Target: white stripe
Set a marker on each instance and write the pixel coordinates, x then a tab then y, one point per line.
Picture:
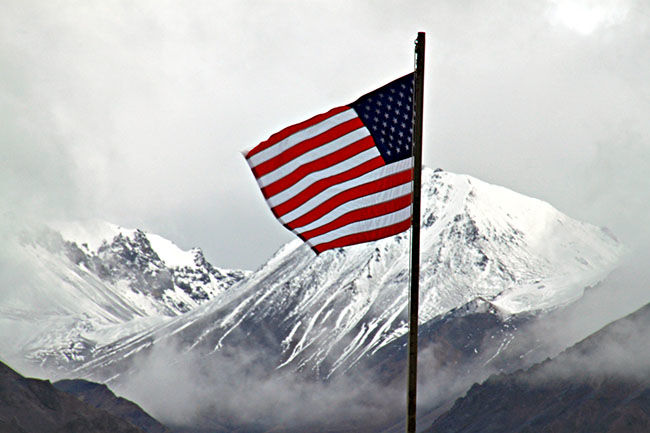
359	203
300	136
305	182
333	190
313	155
362	226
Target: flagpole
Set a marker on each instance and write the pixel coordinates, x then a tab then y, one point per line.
418	94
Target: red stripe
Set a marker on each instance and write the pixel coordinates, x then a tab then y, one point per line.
307	145
322	184
320	164
361	214
371	187
279	136
359	238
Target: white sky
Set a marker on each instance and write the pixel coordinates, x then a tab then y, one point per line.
136	112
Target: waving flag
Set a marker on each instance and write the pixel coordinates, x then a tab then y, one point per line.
343	177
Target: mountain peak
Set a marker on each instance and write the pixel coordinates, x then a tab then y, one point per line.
480	244
96	281
90	233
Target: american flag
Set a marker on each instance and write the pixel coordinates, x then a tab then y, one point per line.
343	177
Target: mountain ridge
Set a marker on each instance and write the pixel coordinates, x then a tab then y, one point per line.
326	313
101	397
601	383
74	298
33	405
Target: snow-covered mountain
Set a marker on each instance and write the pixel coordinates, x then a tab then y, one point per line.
161	277
86	284
481	244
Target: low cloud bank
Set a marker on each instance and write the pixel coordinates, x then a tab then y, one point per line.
221	391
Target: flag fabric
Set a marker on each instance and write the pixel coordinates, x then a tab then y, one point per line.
343	177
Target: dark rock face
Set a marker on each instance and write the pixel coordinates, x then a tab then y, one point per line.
601	384
468	335
101	397
32	405
135	261
132	259
503	405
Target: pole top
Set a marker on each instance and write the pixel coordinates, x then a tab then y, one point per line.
419	50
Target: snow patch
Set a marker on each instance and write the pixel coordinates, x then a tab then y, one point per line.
91	232
170	253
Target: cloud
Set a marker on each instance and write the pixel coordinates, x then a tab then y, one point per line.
236	388
187	389
620	351
136	113
586	16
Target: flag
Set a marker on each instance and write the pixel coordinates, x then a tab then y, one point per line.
343	177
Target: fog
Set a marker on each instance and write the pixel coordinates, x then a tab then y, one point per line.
621	352
190	390
237	390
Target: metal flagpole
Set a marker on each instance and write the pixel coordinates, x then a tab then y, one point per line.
418	99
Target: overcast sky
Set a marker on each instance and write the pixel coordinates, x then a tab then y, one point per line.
136	112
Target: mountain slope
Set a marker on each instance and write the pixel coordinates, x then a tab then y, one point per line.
94	286
155	274
601	384
325	314
101	397
32	405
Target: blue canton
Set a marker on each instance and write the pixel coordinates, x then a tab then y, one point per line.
388	114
